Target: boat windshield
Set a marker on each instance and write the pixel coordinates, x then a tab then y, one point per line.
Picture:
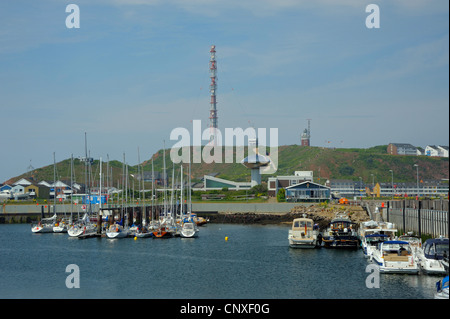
189	226
436	249
302	224
396	248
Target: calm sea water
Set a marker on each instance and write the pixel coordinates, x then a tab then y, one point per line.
255	262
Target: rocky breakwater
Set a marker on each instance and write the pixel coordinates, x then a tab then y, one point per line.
321	214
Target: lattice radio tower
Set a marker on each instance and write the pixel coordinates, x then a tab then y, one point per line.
212	90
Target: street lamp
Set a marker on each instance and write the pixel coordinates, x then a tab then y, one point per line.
392	183
360	187
373	186
417	168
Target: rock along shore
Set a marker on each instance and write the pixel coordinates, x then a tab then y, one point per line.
321	215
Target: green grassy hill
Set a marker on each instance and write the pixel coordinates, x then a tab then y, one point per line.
325	162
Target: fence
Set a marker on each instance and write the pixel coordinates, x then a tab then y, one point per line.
422	217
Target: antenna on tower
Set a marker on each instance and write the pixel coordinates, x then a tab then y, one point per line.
30	168
212	90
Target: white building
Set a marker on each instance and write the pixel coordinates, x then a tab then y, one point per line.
439	151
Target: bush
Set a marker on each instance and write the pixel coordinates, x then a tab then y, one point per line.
281	196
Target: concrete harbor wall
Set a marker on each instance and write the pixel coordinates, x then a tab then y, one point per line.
29	213
272	208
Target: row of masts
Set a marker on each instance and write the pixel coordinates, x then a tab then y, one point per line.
172	206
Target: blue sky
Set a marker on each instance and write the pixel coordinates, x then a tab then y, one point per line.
137	69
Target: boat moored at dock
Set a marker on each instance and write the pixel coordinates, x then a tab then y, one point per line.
395	256
303	234
372	233
116	231
189	228
442	289
340	233
431	255
45	225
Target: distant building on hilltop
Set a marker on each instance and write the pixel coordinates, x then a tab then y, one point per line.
433	150
306	135
402	149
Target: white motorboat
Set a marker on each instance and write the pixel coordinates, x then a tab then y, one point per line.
189	228
414	241
303	234
371	242
431	255
116	231
395	256
371	233
442	289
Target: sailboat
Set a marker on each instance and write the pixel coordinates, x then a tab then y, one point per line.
116	230
163	226
45	225
189	228
84	228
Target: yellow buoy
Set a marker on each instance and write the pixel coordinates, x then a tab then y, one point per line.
226	238
135	237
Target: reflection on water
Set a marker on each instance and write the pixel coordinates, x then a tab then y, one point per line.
255	262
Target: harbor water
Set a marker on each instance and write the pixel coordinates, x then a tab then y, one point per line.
255	262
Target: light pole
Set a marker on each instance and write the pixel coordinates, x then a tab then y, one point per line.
417	168
360	187
392	183
373	186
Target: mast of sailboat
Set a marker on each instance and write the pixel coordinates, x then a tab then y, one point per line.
99	215
172	206
54	184
126	195
165	179
71	190
153	186
181	199
123	190
190	183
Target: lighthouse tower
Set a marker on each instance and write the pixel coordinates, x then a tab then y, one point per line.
306	136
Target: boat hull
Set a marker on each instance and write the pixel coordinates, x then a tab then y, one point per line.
144	235
339	243
433	267
302	243
162	234
42	229
188	234
113	235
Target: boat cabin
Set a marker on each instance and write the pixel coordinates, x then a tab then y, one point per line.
302	224
375	239
395	250
436	248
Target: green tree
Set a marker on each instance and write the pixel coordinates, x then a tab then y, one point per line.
281	196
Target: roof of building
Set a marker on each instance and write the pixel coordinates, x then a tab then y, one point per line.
306	184
404	145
